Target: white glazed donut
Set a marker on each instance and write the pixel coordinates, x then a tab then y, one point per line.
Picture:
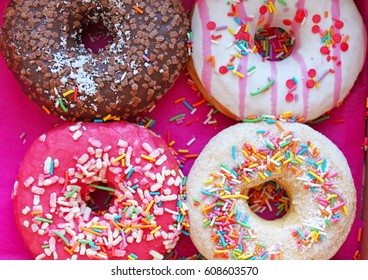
309	167
329	48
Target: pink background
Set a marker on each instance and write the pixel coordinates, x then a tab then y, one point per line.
19	116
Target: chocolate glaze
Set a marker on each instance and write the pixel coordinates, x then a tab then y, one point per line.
41	42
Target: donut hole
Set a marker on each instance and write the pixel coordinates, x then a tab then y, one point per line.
274	43
95	36
98	199
269	201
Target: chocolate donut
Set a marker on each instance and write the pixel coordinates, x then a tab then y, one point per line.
42	45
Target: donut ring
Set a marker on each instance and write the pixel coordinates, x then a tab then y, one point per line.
127	164
315	77
309	167
42	45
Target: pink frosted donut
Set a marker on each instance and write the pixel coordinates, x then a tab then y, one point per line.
92	191
307	66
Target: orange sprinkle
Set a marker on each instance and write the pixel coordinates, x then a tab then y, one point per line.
35	213
46	110
91	231
359	234
326	14
346	38
198	103
179	100
68	250
279	126
191	156
138	9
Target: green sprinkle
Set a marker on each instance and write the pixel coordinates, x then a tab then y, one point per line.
254	93
62	105
43	220
102	188
62	237
207	223
45	246
320	119
72	192
254	120
242	224
251	69
328	222
282	2
280	211
177	117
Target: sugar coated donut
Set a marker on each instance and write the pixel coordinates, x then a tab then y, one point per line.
42	42
93	191
316	183
270	57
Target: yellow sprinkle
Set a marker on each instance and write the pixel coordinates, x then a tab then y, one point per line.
253	165
316	176
238	74
261	175
127	230
151	159
107	117
221	251
238	55
278	170
235	196
276	155
298	160
261	156
345	210
316	83
131	258
155	230
231	30
119	158
183	151
65	94
246	178
245	257
208	181
99	227
280	158
149	206
331	196
287	161
246	28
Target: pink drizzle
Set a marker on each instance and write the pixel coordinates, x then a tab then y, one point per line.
299	58
335	9
244	65
206	45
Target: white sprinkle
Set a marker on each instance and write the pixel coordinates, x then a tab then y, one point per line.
156	255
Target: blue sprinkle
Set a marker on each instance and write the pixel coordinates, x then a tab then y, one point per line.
98	120
52	164
233	152
188	105
130	173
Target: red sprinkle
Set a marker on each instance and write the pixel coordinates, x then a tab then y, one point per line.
289	97
290	83
223	69
263	10
315	28
344	46
287	22
300	15
211	25
339	24
337	37
325	50
316	18
310	84
312	73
